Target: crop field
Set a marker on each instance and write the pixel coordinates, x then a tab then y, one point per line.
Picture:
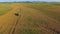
30	18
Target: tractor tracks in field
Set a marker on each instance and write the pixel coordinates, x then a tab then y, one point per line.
17	9
15	25
17	21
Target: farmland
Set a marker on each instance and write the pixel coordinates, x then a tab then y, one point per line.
34	18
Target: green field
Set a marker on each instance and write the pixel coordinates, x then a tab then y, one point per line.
35	18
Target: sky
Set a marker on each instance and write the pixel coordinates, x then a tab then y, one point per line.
29	0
